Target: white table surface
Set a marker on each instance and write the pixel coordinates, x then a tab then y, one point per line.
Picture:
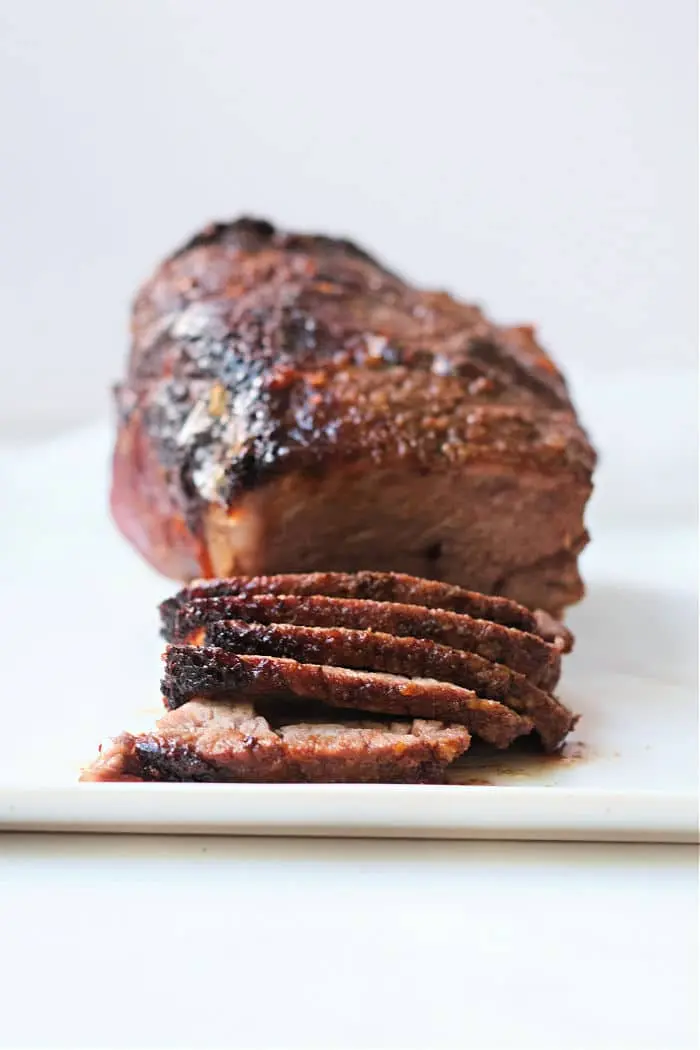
257	943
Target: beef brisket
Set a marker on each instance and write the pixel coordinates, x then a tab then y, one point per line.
270	686
197	671
291	405
408	657
376	586
526	653
206	741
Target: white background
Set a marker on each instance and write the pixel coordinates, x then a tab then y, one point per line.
299	945
537	155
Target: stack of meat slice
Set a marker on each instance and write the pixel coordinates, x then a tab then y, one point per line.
342	677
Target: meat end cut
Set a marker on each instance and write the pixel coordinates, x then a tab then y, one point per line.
290	405
207	741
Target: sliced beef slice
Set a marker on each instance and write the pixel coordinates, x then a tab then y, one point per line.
218	741
521	651
376	586
193	671
408	657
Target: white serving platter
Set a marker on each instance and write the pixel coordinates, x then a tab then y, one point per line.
81	662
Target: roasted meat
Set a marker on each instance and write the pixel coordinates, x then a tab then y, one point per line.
264	685
419	660
373	586
194	671
526	653
407	657
207	741
291	405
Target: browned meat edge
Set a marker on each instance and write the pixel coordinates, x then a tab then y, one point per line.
204	741
409	657
525	653
376	586
192	671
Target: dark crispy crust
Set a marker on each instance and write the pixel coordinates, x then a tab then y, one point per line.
528	654
260	356
227	742
376	586
409	657
205	671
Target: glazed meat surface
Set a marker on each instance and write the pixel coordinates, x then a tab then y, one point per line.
291	405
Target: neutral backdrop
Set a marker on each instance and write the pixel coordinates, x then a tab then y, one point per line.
536	155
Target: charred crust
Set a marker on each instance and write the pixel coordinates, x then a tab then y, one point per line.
160	760
191	671
246	233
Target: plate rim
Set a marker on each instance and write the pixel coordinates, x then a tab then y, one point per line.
356	810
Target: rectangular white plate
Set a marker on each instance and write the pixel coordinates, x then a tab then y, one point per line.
81	662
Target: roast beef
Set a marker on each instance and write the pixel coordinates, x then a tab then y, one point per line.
219	741
291	405
206	671
526	653
377	586
408	657
271	686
